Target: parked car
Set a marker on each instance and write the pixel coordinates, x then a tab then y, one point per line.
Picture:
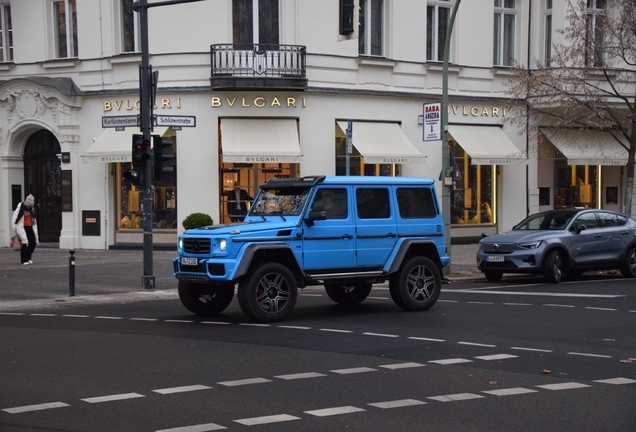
566	241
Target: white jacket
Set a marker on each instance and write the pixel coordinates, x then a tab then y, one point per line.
18	226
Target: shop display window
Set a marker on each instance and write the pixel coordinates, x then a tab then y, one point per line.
356	162
472	197
575	185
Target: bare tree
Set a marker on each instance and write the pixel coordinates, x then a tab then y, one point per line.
590	82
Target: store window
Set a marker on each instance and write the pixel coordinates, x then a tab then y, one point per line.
65	28
575	185
371	34
130	33
472	198
504	32
6	33
357	166
130	197
255	21
547	36
437	17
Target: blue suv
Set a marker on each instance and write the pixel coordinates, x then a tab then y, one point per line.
343	232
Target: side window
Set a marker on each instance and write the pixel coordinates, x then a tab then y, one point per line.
622	220
608	219
416	203
587	219
331	201
373	203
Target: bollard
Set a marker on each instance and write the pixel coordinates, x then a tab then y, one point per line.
71	273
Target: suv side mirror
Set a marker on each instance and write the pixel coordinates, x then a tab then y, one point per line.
314	216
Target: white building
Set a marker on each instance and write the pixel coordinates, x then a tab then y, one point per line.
272	84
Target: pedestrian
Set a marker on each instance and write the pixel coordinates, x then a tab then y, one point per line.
237	200
26	228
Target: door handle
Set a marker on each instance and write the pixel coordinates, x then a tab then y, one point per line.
597	235
391	235
347	236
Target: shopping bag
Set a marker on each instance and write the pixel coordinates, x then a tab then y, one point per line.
16	243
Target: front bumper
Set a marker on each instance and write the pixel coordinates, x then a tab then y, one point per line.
520	261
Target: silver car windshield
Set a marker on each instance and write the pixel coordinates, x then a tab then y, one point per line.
281	202
554	220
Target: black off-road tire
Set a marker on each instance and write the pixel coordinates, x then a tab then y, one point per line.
628	269
348	295
205	299
269	293
553	266
417	284
493	276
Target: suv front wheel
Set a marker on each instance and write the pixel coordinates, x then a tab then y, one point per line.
348	295
269	293
417	284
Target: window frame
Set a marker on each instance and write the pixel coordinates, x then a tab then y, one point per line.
136	28
70	27
6	32
500	40
255	20
434	33
547	33
593	56
365	38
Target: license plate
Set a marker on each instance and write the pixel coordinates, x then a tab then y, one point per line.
495	258
189	261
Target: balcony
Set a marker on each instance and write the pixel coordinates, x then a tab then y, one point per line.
262	66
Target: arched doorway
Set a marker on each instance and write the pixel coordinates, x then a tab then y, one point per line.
42	178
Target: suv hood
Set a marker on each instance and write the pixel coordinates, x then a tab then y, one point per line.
244	227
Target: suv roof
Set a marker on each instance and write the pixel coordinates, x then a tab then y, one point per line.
360	180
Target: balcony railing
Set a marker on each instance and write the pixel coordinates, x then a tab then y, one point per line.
240	62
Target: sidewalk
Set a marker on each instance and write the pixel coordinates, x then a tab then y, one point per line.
102	273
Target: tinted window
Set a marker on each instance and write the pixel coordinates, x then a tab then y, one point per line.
608	219
587	219
373	203
416	203
554	220
331	201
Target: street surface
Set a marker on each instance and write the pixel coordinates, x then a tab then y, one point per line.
519	355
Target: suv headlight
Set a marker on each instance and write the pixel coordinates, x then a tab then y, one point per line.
530	245
180	243
222	245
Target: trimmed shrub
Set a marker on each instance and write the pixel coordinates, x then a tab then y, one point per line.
197	220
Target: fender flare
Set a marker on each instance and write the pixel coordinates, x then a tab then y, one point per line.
247	256
397	257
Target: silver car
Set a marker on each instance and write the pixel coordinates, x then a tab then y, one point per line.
564	241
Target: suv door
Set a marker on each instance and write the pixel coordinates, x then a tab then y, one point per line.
376	225
614	236
588	244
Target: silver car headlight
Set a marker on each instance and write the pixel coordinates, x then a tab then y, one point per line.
530	245
222	244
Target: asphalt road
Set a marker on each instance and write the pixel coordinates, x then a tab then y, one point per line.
514	356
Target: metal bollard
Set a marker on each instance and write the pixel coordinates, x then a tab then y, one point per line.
71	273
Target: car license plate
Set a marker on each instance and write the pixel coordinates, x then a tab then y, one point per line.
495	258
189	261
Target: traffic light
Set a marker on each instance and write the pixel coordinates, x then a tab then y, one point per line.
163	157
140	154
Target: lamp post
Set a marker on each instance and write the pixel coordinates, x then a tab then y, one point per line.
445	146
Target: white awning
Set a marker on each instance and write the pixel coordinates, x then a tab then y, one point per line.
114	146
487	145
588	147
383	143
260	140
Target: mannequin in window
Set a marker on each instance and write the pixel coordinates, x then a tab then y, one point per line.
237	200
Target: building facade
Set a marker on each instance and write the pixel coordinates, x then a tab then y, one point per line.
273	86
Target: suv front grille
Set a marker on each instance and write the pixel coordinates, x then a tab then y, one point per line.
197	246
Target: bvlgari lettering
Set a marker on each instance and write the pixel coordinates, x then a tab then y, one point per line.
259	102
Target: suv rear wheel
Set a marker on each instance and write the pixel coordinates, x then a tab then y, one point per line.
417	284
348	295
269	293
628	269
203	299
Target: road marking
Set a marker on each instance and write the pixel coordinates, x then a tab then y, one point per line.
12	313
535	293
244	382
310	295
616	381
300	376
178	321
531	349
334	411
380	335
254	325
563	386
450	361
266	419
518	304
109	317
456	397
480	303
43	314
335	330
195	428
426	339
353	370
402	365
448	301
143	319
39	407
589	355
510	391
378	298
181	389
75	316
294	327
601	309
215	322
496	357
397	403
476	344
558	305
111	398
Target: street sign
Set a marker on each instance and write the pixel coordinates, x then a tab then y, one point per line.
182	121
432	122
120	121
349	136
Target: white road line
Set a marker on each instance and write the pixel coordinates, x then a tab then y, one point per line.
254	325
402	365
353	370
334	411
300	376
558	305
450	361
601	309
311	295
397	403
631	311
518	304
496	357
181	389
563	386
616	381
294	327
75	316
109	317
43	314
244	382
480	303
531	349
111	398
12	313
456	397
335	330
448	301
178	321
215	322
534	293
476	344
143	319
510	391
266	419
39	407
378	298
195	428
590	355
380	335
426	339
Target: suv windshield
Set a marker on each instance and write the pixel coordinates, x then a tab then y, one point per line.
553	220
282	202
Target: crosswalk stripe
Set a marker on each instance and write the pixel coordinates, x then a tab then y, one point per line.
266	419
195	428
456	397
397	403
496	357
244	382
181	389
353	370
300	376
38	407
509	391
616	381
402	365
563	386
450	361
334	411
111	398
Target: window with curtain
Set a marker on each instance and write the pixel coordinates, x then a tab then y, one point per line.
130	34
437	17
596	12
547	37
65	28
504	32
371	32
6	33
